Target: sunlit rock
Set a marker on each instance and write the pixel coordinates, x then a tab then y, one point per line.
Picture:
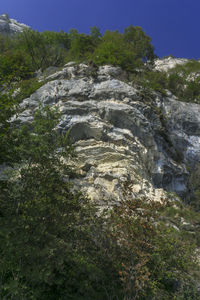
126	146
10	26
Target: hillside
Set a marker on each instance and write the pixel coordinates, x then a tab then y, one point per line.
99	167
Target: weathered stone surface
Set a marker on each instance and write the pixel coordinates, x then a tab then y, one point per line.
183	123
10	26
168	63
125	146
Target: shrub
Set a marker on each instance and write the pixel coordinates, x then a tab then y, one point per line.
47	244
154	259
114	50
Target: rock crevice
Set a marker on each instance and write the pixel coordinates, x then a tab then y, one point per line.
121	139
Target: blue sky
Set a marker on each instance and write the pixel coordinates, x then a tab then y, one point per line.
173	25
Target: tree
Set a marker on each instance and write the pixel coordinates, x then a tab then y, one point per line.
45	49
47	241
114	50
81	46
95	33
154	260
140	42
7	109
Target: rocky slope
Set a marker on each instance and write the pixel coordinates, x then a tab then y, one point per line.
10	26
167	63
127	143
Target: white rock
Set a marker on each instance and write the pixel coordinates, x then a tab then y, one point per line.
123	149
11	26
168	63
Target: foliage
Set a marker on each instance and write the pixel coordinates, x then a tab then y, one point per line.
25	88
95	33
182	81
81	47
4	43
7	109
31	50
195	185
54	244
187	68
150	81
24	54
114	50
44	49
14	66
140	42
46	237
154	259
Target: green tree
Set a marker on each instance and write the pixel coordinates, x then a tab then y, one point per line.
5	43
7	109
113	50
15	65
95	33
47	230
154	260
73	33
140	42
45	49
82	46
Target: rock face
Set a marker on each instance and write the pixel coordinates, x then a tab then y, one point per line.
168	63
127	144
10	26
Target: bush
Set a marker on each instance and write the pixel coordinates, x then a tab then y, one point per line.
26	88
115	51
47	241
155	260
81	47
140	42
7	110
15	66
53	242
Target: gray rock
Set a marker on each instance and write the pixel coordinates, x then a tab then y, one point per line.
126	146
183	124
168	63
10	26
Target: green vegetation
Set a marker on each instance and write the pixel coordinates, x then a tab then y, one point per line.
195	184
116	51
7	109
30	50
154	256
46	236
53	245
53	242
187	79
183	81
26	87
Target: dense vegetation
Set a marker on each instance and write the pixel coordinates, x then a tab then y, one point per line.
183	81
53	243
24	54
21	56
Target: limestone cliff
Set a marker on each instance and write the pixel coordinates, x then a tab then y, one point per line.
10	26
127	143
168	63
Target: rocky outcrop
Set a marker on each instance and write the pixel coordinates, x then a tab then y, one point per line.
165	64
183	125
127	144
10	26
